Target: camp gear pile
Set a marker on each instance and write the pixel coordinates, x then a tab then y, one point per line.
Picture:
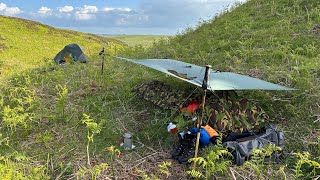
185	148
226	111
237	119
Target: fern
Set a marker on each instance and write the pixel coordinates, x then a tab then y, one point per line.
113	153
257	161
19	112
195	174
216	161
95	171
21	168
304	158
62	92
92	129
163	169
281	172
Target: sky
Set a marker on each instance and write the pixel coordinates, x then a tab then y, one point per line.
158	17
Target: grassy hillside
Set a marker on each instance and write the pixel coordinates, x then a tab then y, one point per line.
45	132
27	44
143	40
277	41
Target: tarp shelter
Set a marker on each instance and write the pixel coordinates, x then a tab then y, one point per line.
218	80
202	77
69	53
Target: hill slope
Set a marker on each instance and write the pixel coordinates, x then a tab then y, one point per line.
277	41
44	133
143	40
43	106
26	44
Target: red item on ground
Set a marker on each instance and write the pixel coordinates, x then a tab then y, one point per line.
174	131
191	107
172	128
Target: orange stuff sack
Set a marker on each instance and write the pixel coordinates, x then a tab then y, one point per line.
210	131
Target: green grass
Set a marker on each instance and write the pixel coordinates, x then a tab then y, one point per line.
31	116
275	41
271	40
135	40
27	44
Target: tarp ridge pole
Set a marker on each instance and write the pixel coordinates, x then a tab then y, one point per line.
102	53
205	88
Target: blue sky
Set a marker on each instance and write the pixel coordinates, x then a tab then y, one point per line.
165	17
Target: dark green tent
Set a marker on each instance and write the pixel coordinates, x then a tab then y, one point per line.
69	53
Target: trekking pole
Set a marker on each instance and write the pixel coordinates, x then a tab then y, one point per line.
205	87
102	53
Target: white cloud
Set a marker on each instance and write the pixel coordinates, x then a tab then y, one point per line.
87	9
84	16
9	11
2	6
151	15
108	9
44	10
86	12
66	9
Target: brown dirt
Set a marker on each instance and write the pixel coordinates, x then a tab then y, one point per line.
130	165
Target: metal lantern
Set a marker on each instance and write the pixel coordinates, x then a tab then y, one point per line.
127	141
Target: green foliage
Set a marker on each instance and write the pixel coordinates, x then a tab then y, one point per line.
143	40
216	161
163	170
92	129
45	138
19	111
21	168
305	167
195	174
14	116
113	153
277	41
62	92
273	40
282	173
3	140
257	160
181	121
94	171
24	45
